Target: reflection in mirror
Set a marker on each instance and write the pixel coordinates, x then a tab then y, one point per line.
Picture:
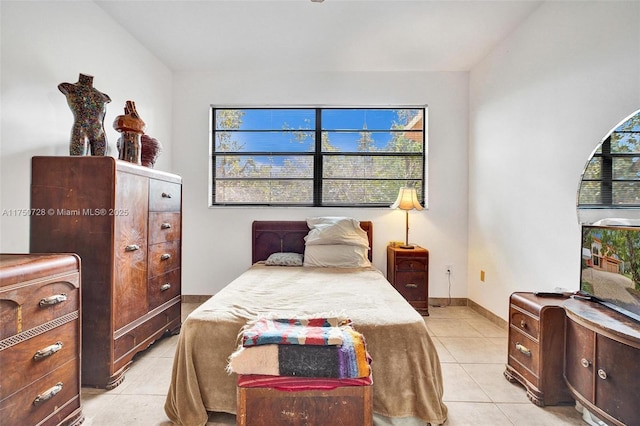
610	183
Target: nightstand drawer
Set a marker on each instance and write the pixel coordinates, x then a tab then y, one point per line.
412	285
403	265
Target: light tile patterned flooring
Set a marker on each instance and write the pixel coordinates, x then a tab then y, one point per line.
472	352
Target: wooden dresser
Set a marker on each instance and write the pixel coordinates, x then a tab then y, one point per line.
536	347
124	221
40	339
602	362
408	272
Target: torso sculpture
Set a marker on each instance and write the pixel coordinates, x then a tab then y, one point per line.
89	107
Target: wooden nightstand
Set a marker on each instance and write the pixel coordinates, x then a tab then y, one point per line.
408	272
536	347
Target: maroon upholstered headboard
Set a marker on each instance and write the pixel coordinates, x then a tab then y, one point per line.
274	236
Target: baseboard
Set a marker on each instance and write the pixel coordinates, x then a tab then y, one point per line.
195	298
488	314
445	301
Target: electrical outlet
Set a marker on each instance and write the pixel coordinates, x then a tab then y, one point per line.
448	269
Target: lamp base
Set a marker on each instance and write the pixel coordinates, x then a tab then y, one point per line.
405	246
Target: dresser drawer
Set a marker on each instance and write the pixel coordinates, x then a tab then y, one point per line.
164	288
163	258
55	395
525	323
25	306
146	332
164	196
35	357
164	226
525	352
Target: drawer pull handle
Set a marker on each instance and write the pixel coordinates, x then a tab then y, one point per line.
48	394
165	225
165	287
523	349
165	256
585	363
411	285
602	374
48	351
166	195
53	300
523	324
132	247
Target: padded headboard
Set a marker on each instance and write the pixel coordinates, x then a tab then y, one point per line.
274	236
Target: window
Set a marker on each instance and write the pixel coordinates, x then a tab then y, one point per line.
612	176
338	157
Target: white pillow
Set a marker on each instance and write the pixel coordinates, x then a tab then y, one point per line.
284	259
325	220
343	231
339	256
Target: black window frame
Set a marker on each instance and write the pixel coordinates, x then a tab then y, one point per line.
319	155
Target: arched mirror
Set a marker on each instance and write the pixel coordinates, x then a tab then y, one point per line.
610	183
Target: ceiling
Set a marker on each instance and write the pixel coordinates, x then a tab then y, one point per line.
334	35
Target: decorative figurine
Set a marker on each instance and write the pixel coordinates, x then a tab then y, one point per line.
131	126
89	107
151	150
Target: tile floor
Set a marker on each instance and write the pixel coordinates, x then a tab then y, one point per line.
472	352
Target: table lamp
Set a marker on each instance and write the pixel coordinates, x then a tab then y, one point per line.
407	200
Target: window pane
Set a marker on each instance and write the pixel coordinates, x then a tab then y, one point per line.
594	169
264	119
264	192
281	141
367	141
354	192
626	193
372	119
627	142
372	167
626	168
590	193
257	166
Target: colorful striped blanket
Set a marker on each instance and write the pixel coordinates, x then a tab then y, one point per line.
284	355
312	331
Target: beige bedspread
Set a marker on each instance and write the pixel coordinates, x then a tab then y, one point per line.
407	380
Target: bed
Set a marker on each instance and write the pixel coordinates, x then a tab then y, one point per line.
407	380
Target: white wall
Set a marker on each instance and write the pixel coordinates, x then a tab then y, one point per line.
217	241
539	105
47	43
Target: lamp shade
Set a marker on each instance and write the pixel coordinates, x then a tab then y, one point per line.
407	199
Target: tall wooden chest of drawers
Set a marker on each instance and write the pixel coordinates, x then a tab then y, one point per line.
536	347
124	221
40	340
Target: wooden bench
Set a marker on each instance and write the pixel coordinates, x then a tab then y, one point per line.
347	405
